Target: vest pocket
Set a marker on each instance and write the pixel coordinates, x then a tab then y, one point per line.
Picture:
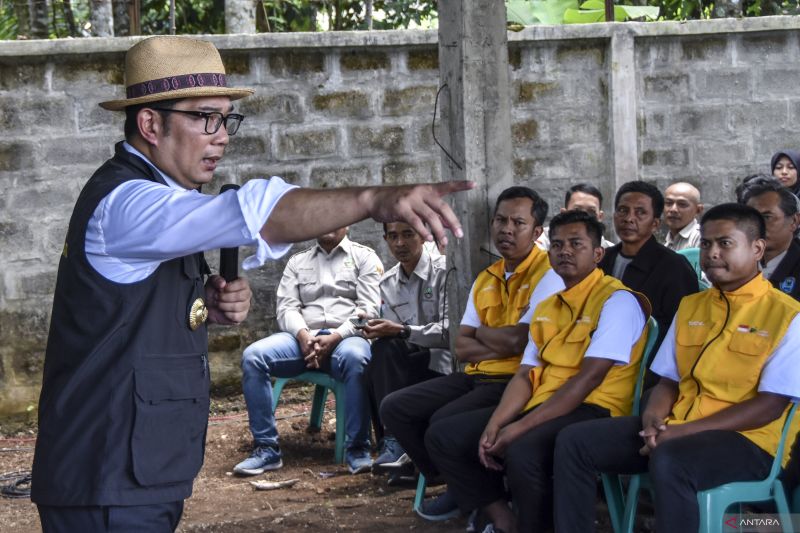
171	402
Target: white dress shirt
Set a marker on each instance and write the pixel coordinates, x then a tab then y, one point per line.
141	224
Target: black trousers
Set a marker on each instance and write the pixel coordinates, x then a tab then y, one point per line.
154	518
407	413
395	364
678	469
453	445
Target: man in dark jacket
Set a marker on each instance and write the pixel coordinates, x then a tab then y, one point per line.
779	207
124	403
639	261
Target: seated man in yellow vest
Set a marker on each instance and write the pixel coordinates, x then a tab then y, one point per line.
728	368
581	363
491	337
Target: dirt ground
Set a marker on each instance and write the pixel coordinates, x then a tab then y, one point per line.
326	497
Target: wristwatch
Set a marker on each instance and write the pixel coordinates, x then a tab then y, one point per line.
405	333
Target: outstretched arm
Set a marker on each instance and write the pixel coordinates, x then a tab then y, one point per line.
303	214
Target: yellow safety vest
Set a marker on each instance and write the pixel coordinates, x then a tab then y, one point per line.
721	352
562	329
500	302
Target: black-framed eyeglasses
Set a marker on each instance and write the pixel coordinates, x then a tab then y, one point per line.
214	119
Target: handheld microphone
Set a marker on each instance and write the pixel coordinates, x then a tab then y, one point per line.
229	257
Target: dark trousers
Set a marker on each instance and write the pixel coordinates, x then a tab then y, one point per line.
395	364
453	445
407	413
154	518
678	469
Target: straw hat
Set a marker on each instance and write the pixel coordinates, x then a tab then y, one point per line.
167	67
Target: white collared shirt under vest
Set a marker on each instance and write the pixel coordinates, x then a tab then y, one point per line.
688	237
323	291
419	301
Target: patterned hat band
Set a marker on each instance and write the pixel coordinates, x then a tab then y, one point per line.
174	83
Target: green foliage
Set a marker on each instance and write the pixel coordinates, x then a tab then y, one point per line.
527	12
191	16
595	11
402	13
8	22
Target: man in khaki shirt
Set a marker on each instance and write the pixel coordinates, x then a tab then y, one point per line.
412	342
321	290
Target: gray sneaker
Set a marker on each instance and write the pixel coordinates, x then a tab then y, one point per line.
262	459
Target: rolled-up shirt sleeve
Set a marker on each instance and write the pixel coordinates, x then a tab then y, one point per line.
143	223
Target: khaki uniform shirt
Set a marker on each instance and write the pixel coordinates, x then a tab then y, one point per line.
419	302
688	237
320	290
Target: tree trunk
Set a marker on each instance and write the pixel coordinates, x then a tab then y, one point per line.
368	15
240	16
122	22
69	17
102	18
23	14
40	19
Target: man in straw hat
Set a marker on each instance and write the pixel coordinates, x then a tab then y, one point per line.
124	403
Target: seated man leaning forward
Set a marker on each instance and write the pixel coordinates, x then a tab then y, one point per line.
322	288
728	368
411	337
581	363
491	338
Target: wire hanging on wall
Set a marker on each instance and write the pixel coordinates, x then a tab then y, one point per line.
433	130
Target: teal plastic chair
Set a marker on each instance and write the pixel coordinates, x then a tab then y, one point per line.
693	256
612	483
714	502
323	383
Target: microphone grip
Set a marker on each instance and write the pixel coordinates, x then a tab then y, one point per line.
229	257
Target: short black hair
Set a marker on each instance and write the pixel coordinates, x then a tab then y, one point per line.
131	129
746	183
594	227
746	218
656	198
585	188
538	207
763	184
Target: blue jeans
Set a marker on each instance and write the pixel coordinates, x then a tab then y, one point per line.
279	355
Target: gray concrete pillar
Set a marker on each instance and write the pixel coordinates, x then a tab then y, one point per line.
474	127
622	83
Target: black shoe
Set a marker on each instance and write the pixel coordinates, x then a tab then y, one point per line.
405	475
443	507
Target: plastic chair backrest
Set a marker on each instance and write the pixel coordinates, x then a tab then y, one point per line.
693	256
647	356
787	425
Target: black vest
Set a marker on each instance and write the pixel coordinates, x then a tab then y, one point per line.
124	405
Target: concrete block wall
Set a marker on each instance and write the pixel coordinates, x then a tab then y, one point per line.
713	100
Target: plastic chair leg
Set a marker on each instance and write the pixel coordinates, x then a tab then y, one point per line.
612	487
629	516
783	506
420	494
318	406
277	389
341	415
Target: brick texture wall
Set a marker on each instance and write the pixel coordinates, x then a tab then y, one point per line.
714	100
